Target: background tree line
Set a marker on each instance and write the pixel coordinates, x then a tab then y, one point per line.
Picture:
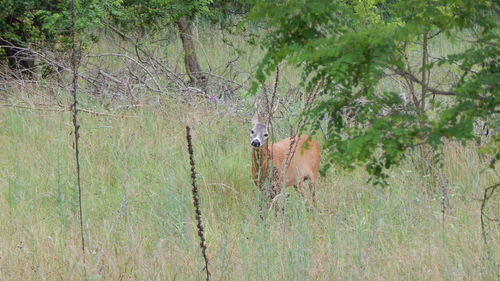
344	48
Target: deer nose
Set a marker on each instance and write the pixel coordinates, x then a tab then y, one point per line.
255	143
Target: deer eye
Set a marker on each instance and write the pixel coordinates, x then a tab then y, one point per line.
252	132
265	135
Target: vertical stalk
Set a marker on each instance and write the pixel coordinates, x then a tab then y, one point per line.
425	57
196	203
74	109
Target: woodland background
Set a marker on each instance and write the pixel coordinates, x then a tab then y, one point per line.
402	95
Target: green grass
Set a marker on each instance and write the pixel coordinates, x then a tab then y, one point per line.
139	220
138	215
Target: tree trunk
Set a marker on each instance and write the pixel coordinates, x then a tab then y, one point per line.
19	58
196	77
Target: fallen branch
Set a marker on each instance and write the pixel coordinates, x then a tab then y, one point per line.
131	59
63	109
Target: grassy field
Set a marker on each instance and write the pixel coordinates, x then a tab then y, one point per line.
139	221
137	207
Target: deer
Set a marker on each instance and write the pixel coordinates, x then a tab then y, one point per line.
293	160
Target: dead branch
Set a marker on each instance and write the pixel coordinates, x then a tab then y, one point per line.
131	59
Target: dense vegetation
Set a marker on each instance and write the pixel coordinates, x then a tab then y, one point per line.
402	95
346	49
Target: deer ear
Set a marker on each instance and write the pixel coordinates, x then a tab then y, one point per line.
256	104
255	118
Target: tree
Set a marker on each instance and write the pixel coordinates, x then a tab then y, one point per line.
18	25
348	47
153	16
41	23
184	12
156	15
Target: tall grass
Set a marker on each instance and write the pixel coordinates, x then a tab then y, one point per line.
139	221
137	203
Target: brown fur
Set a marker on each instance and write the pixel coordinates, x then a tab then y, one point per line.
303	166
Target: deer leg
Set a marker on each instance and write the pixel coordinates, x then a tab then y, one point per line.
301	189
274	191
313	181
312	186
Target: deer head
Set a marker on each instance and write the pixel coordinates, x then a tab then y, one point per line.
261	124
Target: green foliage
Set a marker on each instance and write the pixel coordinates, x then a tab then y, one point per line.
348	49
225	11
46	21
154	15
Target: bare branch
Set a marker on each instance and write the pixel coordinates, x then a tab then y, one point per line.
488	193
131	59
412	78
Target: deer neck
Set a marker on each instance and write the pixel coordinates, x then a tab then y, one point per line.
260	164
